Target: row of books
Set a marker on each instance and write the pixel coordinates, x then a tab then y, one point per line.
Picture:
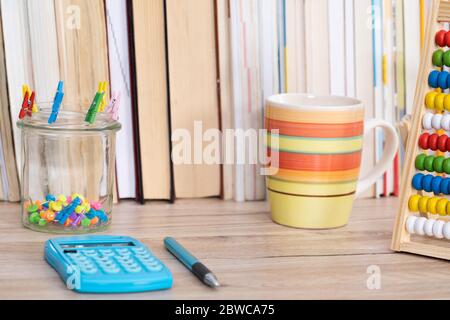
214	61
369	49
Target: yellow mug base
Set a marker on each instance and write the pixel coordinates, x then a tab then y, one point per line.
310	212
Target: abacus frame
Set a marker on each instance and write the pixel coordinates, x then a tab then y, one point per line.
401	240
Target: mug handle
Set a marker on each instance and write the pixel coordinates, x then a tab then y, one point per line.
389	152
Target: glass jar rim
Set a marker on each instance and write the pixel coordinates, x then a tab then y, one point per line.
68	120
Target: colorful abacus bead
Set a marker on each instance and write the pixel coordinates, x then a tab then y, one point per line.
443	80
430	227
436	121
440	38
434	142
438	164
432	205
433	79
438	58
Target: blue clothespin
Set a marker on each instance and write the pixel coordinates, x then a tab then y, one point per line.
56	102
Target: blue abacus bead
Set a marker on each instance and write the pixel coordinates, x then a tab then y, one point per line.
433	79
417	181
436	185
443	80
426	182
445	184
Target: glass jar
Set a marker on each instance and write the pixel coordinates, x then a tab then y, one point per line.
67	171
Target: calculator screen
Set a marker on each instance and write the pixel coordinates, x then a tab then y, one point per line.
100	244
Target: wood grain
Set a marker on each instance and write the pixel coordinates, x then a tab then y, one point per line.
83	61
6	132
193	88
253	257
151	82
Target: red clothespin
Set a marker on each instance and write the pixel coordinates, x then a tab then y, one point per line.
31	104
23	111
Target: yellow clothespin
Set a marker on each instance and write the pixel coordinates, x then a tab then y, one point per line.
102	87
25	89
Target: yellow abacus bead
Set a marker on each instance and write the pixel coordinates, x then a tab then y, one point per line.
447	212
413	203
439	102
431	205
447	102
61	198
441	207
429	99
423	204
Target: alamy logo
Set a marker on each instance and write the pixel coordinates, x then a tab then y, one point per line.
233	146
374	280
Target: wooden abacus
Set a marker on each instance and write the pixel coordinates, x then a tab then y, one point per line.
423	221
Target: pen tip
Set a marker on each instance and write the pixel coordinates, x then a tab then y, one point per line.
211	280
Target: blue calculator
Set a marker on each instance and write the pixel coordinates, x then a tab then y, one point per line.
106	264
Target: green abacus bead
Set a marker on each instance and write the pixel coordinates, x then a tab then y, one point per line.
34	218
446	58
438	164
446	166
428	163
420	160
42	222
438	58
86	222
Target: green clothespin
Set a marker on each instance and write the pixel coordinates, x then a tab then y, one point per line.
95	105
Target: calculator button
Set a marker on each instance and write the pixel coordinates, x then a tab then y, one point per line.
134	269
107	252
139	250
123	251
111	270
89	270
154	268
82	259
143	255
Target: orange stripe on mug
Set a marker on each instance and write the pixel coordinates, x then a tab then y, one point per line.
316	130
313	162
302	116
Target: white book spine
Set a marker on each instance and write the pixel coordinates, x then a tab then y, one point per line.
120	82
336	17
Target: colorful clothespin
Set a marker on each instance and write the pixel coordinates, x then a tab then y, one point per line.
56	102
28	102
113	108
95	105
103	86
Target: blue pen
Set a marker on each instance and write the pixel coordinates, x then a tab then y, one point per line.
191	262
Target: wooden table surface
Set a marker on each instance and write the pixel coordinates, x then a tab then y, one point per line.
253	257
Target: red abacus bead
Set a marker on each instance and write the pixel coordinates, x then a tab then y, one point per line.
432	141
440	38
447	39
423	141
442	143
448	144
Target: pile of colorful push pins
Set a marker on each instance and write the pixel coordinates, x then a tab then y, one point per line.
73	211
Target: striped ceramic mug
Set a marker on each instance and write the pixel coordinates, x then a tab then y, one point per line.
318	141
